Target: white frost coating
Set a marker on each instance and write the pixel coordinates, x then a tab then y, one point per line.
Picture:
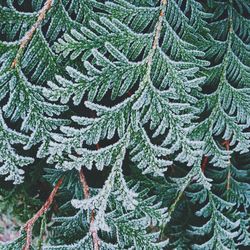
116	183
116	53
12	162
146	155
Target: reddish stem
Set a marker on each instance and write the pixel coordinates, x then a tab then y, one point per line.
30	223
29	34
226	143
84	184
92	230
204	164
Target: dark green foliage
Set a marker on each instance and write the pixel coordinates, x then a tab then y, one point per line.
141	108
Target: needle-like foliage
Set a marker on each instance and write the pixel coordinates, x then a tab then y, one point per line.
139	112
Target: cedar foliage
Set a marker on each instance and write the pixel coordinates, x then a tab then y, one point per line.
137	111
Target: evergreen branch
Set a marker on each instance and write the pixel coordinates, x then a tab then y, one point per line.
159	24
30	223
223	121
184	182
92	229
29	34
137	69
158	29
180	194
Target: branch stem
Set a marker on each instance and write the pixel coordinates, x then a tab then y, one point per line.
29	34
157	34
30	223
92	229
204	164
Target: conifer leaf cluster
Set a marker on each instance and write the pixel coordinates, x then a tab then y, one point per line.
130	122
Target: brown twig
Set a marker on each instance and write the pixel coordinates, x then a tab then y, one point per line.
226	143
92	230
129	93
84	184
30	223
204	164
157	34
27	37
159	25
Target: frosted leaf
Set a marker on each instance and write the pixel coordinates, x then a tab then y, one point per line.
116	183
140	102
116	53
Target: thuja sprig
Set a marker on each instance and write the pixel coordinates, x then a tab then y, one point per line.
29	34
